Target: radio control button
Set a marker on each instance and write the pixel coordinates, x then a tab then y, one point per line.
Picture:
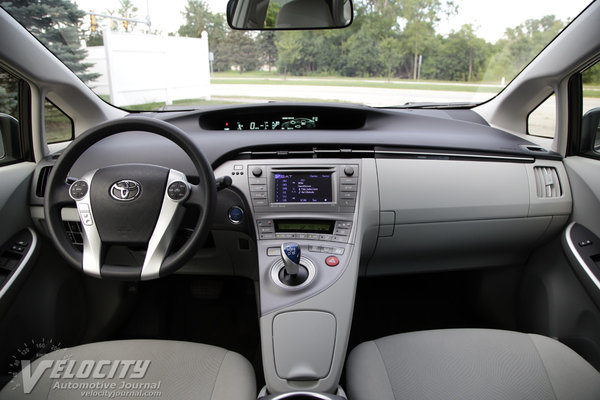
348	195
349	171
259	195
257	171
347	203
260	202
348	181
258	188
257	181
348	188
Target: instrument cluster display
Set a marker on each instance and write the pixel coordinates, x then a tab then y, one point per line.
283	123
282	118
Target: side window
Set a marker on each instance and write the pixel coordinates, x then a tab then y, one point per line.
10	144
57	125
542	120
590	123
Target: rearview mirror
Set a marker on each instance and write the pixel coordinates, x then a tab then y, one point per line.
289	14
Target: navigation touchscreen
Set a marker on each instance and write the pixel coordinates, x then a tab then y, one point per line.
302	187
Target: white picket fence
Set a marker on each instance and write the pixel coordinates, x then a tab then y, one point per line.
138	69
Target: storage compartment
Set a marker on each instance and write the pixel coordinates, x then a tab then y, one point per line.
303	343
457	245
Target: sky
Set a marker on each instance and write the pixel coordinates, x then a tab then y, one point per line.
490	18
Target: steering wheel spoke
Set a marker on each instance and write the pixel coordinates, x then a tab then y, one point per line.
169	218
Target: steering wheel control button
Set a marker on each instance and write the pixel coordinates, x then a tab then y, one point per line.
332	261
235	215
125	190
177	191
86	218
78	190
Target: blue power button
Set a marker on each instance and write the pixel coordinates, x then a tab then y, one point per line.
235	215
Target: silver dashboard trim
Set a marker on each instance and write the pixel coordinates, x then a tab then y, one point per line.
578	257
279	265
15	274
460	155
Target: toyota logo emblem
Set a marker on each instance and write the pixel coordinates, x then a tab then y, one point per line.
125	190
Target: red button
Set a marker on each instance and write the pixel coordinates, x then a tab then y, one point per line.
332	261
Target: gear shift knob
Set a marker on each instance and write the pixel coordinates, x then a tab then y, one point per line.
290	253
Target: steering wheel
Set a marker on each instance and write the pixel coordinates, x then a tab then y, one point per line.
138	205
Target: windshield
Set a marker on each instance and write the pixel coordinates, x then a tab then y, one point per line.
151	54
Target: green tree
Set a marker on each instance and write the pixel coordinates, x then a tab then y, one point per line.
461	56
520	45
55	23
289	47
127	10
267	48
199	18
421	17
390	52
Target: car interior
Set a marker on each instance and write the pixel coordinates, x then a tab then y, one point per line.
384	253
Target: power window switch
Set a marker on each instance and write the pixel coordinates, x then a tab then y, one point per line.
17	248
584	243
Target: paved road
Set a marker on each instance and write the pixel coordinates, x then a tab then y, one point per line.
363	95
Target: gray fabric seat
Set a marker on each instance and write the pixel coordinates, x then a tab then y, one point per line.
181	370
469	364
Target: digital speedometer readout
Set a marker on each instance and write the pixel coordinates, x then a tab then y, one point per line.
284	123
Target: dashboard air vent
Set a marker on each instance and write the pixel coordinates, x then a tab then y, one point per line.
42	179
547	182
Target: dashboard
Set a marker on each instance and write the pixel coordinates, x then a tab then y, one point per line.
360	191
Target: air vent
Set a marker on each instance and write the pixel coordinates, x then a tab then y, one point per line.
42	179
547	182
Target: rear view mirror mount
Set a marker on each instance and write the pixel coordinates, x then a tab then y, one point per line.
289	14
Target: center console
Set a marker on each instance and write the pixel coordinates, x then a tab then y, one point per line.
308	215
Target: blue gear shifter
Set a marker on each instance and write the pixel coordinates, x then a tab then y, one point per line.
290	253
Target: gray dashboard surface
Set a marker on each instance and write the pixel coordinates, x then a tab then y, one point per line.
456	130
